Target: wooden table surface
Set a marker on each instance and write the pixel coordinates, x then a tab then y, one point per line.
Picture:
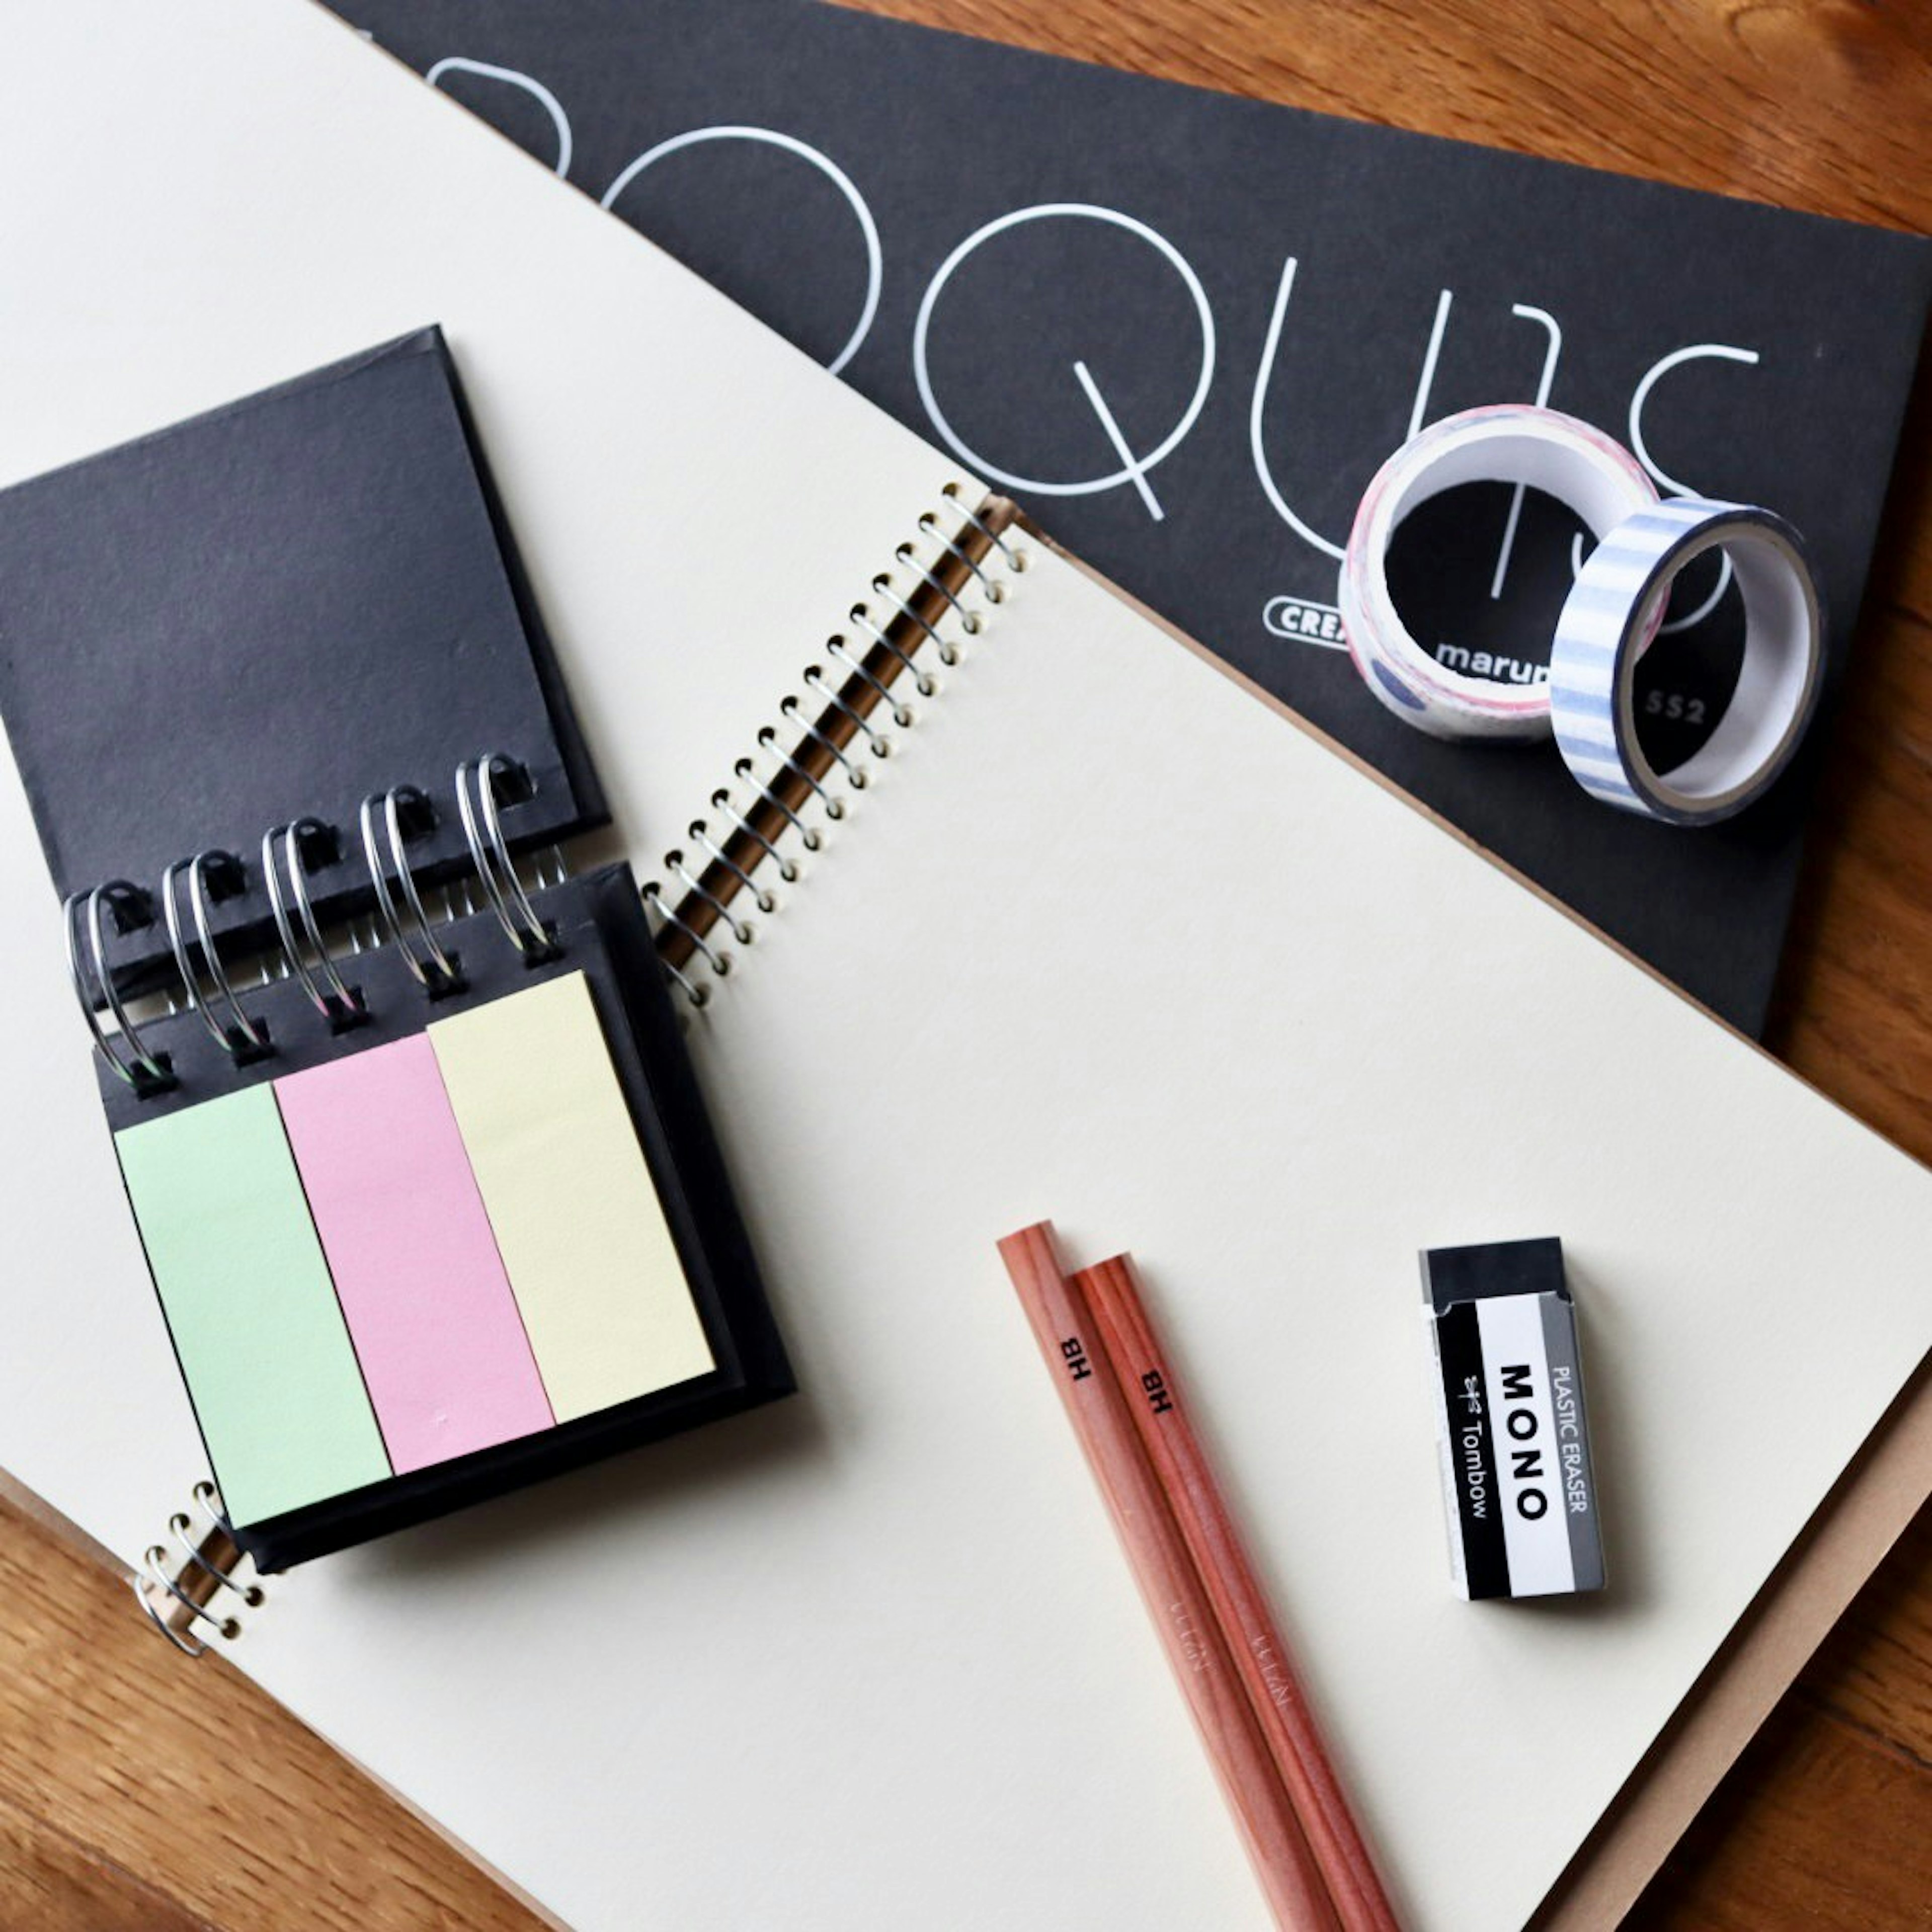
136	1791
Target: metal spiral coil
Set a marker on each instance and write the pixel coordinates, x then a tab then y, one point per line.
210	874
291	845
134	1061
214	989
433	966
195	1585
942	588
478	803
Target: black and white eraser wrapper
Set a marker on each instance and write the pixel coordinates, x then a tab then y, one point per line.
1615	605
1512	1432
1508	443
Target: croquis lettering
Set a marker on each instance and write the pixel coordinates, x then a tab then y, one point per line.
1162	260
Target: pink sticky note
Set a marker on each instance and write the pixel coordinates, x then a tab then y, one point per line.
422	1287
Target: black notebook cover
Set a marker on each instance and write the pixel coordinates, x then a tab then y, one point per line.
1354	279
270	612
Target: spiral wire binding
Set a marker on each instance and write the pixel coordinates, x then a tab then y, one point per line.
146	1071
923	682
434	967
768	738
943	586
195	1585
213	990
788	709
336	1001
721	801
241	1036
476	800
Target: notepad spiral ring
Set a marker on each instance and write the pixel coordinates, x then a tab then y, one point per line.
435	968
477	802
332	995
241	1035
179	1590
944	584
147	1072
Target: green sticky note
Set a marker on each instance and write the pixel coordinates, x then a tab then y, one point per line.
251	1305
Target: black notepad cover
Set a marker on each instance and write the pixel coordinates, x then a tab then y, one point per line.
275	611
269	612
941	136
599	922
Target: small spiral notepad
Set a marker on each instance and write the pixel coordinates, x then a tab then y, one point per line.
431	1203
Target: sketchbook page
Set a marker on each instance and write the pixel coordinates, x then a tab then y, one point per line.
1105	940
213	196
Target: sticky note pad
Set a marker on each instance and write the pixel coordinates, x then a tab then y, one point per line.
421	1285
577	1220
263	1348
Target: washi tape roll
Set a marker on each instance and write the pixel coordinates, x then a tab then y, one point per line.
1618	596
1513	442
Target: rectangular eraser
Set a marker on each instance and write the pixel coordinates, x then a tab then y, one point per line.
1514	1437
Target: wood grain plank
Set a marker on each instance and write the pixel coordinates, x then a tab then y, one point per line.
53	1884
137	1791
1853	1011
1817	107
1875	1674
1826	1820
1874	1869
188	1781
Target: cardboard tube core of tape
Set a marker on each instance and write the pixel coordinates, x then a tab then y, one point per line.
1543	449
1617	597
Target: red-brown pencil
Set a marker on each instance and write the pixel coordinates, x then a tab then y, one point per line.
1103	1421
1241	1609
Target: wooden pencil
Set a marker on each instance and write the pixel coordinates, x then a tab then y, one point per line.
1101	1418
1240	1606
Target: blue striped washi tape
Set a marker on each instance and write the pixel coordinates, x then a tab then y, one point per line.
1611	612
1507	442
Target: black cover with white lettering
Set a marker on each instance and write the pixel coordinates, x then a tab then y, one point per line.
832	171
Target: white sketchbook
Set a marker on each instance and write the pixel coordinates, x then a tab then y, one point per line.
1105	937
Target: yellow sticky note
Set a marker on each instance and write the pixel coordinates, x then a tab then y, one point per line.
578	1221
